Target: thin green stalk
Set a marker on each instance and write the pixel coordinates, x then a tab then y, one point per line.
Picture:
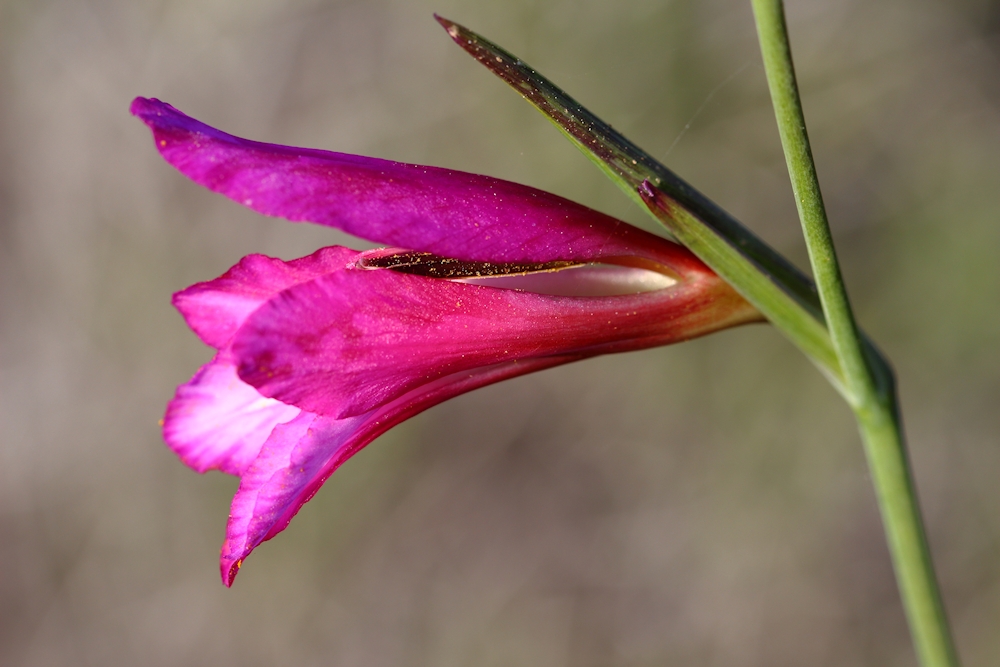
867	376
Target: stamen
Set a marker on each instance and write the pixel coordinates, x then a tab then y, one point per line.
558	278
433	266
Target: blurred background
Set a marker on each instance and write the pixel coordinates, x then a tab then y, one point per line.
703	504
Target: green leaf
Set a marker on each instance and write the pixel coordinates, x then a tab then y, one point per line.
770	282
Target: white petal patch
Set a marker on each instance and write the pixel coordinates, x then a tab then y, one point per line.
217	421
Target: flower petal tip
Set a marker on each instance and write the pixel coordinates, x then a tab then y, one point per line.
139	106
229	569
147	107
171	126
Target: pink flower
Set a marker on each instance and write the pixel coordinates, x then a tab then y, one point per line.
316	357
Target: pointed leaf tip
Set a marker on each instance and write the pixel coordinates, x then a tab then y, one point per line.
454	30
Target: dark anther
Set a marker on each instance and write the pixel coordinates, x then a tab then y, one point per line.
433	266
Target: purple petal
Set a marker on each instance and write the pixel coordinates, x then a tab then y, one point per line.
301	454
218	422
449	213
349	341
217	308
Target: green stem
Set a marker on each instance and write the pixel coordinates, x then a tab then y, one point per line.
870	387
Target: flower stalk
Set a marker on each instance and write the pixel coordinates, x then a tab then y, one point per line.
868	377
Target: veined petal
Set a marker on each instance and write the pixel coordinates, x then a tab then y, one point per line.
301	454
218	422
217	308
319	356
349	341
449	213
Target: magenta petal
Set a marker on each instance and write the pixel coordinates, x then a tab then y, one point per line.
351	340
218	422
278	478
217	308
301	455
449	213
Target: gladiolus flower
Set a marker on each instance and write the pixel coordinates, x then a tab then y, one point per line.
484	280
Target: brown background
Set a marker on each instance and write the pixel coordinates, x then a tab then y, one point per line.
705	504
